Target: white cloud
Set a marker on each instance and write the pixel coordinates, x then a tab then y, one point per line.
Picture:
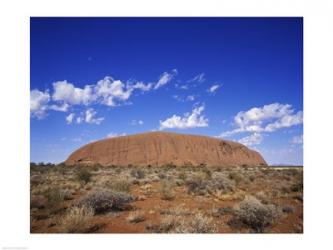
142	86
188	98
297	139
189	120
70	118
137	122
213	88
107	91
184	87
90	117
198	78
250	140
111	135
165	78
38	103
286	122
68	93
62	108
268	118
111	90
79	120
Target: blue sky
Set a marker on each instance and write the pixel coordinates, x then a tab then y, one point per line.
235	78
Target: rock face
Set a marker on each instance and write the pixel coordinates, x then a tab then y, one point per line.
160	148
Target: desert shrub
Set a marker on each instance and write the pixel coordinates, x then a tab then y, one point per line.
298	187
76	219
298	197
237	177
256	215
53	197
36	180
169	166
83	175
196	185
221	211
182	175
167	191
288	209
177	211
95	167
37	201
167	224
162	176
103	200
121	185
262	196
207	172
222	183
138	173
136	217
198	224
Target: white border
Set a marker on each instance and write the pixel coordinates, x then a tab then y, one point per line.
14	220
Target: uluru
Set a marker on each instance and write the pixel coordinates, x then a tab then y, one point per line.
161	148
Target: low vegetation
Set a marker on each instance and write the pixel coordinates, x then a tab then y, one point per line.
167	199
136	217
83	175
76	219
255	214
103	200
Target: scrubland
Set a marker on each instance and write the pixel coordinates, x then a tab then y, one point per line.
167	199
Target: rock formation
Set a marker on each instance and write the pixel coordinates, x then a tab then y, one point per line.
161	148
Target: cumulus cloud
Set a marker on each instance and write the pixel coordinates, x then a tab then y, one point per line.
253	139
70	118
106	91
68	93
111	90
297	139
62	108
90	117
213	88
38	103
165	78
189	120
268	118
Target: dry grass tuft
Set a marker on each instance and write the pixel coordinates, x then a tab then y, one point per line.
167	191
136	217
76	220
